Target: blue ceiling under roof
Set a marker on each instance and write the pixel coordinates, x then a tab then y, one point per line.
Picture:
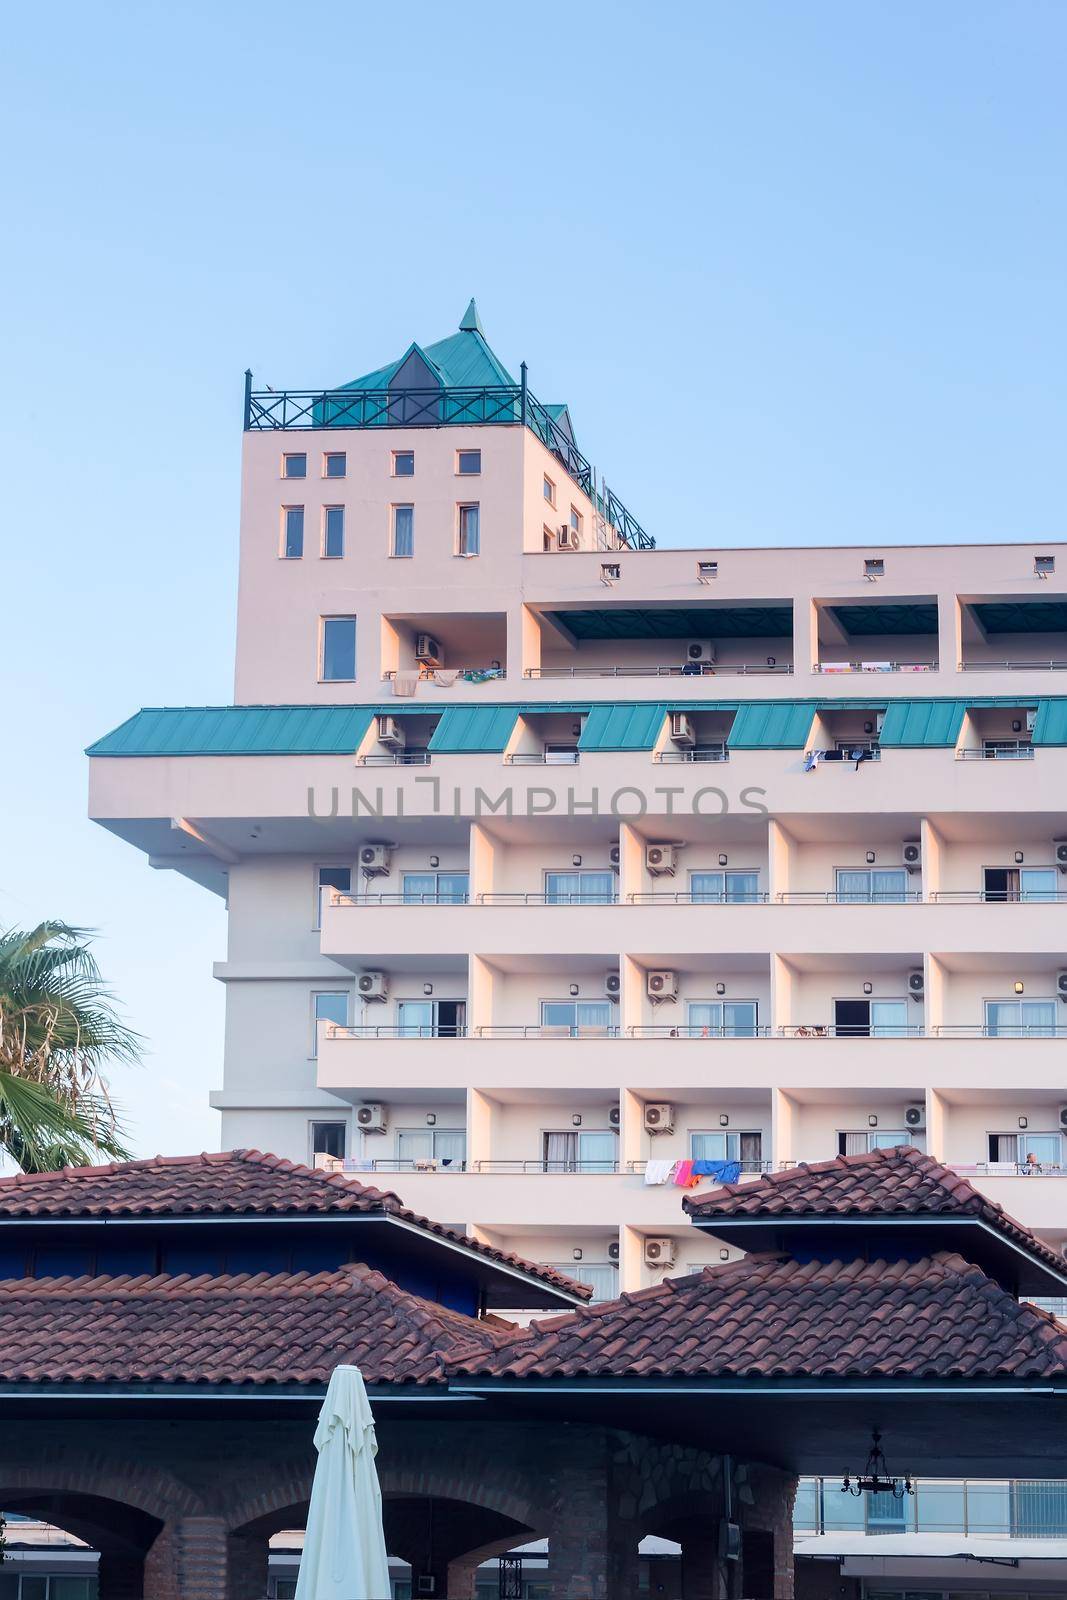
689	622
1022	616
885	619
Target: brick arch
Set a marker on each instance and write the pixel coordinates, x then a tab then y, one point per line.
92	1476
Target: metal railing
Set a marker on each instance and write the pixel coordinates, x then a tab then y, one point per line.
519	897
547	1030
993	897
407	898
830	668
746	669
1013	666
696	1030
697	897
1012	1030
396	758
699	753
837	897
410	1164
1024	1508
397	1030
450	674
1007	750
451	406
1008	1169
542	758
845	1030
544	1166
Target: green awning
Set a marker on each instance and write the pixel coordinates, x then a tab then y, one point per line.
922	723
772	725
622	727
237	731
473	728
1050	724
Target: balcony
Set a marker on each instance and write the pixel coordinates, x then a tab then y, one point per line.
665	669
860	665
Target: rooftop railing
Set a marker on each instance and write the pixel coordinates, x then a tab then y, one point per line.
454	406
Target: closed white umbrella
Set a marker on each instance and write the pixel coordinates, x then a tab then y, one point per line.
344	1554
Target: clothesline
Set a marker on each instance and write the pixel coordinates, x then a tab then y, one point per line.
686	1174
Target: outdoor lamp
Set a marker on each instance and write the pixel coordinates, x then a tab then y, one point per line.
868	988
723	860
435	861
1023	1123
1018	986
872	1121
576	1119
870	858
427	988
576	1253
724	1120
431	1119
574	988
720	988
576	861
1018	858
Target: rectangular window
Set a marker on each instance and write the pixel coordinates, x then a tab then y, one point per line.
870	885
338	650
468	463
328	1006
576	1018
746	1148
330	878
431	1019
871	1019
403	540
446	1146
724	888
333	532
549	490
576	521
436	888
1028	1150
469	535
580	888
328	1139
1031	884
403	463
858	1144
292	532
1020	1019
335	464
589	1150
548	538
722	1019
295	466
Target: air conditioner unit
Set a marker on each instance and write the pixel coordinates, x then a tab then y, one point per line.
659	1117
372	1118
1061	985
391	732
612	985
372	985
426	1585
915	1116
660	1252
615	855
613	1250
879	722
374	860
700	650
567	537
1063	1116
661	859
916	984
1060	847
912	855
682	729
1031	720
428	651
614	1116
662	986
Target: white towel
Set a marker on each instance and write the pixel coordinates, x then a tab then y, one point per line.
404	684
659	1171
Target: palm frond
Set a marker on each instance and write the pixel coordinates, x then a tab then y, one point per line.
41	1133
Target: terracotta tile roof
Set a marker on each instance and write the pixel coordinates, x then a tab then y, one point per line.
770	1316
230	1183
900	1182
245	1329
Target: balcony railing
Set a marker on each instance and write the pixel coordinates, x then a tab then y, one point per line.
1030	1508
445	677
1013	1030
697	897
1006	750
695	1030
454	406
700	753
1013	666
408	898
365	1030
549	1030
996	897
830	667
519	897
845	1030
681	1030
837	897
688	669
1008	1169
542	758
397	758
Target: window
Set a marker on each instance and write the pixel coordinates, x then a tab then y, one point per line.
328	1139
1020	883
581	1150
436	888
331	878
723	888
328	1006
1027	1149
447	1146
469	543
335	464
871	1019
333	532
1008	749
403	463
403	540
858	1144
747	1148
576	521
548	538
576	1018
295	466
431	1019
468	463
1020	1019
292	532
549	489
722	1019
870	885
338	649
561	755
603	1278
580	888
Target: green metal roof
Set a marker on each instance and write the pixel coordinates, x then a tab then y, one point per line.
1050	724
694	622
882	619
772	725
463	360
473	728
922	723
622	727
237	731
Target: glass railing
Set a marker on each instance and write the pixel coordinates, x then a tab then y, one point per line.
1024	1508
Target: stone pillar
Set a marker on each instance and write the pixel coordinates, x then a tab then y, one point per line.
120	1577
247	1566
188	1561
592	1550
462	1575
703	1577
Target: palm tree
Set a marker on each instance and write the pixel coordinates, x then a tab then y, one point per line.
58	1030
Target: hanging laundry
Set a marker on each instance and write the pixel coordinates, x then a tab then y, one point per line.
721	1171
659	1171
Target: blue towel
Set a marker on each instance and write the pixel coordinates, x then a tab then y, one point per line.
721	1171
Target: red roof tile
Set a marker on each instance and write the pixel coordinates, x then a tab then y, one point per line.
232	1183
246	1329
770	1316
901	1182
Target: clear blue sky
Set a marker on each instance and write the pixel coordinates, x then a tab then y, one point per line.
798	268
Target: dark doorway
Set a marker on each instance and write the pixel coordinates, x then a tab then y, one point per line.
757	1564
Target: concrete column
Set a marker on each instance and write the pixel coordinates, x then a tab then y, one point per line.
949	632
479	1127
480	1000
783	1133
483	848
935	1125
805	635
779	847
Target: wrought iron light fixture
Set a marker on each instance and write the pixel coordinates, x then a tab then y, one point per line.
876	1477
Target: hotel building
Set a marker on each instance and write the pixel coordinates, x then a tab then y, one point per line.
552	850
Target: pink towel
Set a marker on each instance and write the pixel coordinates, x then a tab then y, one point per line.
683	1175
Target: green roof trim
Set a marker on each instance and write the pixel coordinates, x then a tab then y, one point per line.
473	728
772	725
1050	724
615	727
238	731
922	724
462	361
